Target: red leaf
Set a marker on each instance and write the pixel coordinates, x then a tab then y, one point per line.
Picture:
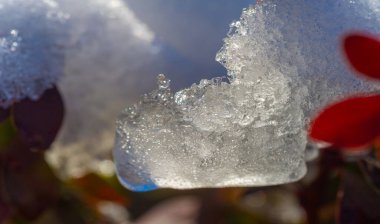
5	210
354	122
38	122
4	114
363	52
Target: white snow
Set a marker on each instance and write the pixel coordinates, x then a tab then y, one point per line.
31	54
107	46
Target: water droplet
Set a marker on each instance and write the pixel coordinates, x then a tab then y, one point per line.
163	82
14	33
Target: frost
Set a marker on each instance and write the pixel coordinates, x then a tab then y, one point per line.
283	60
31	59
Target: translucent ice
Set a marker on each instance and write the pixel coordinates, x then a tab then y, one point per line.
112	58
31	59
283	62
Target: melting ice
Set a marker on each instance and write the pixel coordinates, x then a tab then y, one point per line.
283	60
110	48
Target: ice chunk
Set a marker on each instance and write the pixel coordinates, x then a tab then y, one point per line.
31	37
302	40
212	134
112	58
283	63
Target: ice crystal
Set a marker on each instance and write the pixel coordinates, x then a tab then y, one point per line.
283	62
